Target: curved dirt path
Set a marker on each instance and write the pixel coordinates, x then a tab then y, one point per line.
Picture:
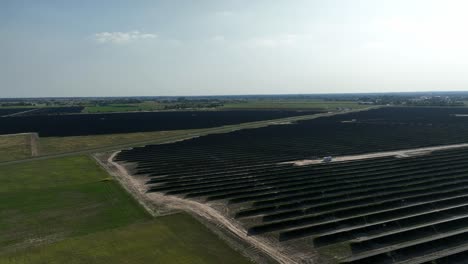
137	187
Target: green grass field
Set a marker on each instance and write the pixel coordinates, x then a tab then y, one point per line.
144	106
294	104
170	239
54	145
69	210
14	147
252	104
60	198
248	104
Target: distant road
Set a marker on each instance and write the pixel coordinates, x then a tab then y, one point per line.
20	113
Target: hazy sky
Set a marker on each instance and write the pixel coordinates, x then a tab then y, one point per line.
175	47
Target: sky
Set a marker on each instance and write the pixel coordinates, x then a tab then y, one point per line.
221	47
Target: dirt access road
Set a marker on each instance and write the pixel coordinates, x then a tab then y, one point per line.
136	186
404	153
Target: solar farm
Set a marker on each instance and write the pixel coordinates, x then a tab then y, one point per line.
407	205
50	122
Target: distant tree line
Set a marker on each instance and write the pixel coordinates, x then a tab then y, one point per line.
412	101
17	104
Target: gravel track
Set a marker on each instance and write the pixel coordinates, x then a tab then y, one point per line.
396	153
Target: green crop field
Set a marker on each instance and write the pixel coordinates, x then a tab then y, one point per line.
69	210
252	104
235	105
294	104
144	106
13	147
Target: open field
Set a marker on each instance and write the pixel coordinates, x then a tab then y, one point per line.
14	147
56	199
304	104
168	239
144	106
55	145
246	104
258	104
411	209
70	210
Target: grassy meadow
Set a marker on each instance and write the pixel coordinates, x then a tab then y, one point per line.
55	145
14	147
298	104
176	238
143	106
70	210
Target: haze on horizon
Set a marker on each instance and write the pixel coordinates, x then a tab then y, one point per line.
124	48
